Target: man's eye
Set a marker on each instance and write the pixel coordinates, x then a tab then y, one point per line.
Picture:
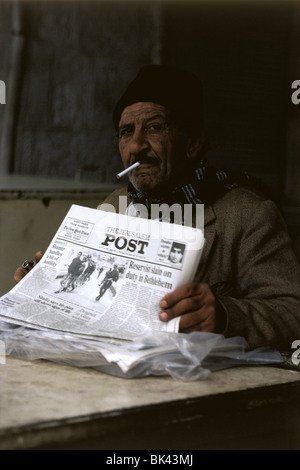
155	128
125	132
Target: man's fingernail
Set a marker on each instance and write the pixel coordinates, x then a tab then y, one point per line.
163	316
163	304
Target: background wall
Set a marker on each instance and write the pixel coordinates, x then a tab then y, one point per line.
241	51
65	63
74	58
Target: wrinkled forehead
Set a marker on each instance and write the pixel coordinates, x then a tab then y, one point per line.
138	113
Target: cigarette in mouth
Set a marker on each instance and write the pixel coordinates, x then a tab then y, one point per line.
130	168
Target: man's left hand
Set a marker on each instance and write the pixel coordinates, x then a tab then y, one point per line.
195	303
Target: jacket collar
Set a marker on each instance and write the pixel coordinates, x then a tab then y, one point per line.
209	215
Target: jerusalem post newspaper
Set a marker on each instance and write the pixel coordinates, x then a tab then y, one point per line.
103	276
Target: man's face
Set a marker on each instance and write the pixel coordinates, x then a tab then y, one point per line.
176	255
147	136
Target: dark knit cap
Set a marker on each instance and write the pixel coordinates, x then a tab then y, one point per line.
177	90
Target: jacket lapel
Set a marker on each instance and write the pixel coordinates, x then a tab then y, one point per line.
209	236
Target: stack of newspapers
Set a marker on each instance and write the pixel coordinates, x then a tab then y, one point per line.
93	301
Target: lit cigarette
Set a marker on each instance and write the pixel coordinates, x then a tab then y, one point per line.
130	168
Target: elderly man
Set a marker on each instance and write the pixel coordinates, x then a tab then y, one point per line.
248	281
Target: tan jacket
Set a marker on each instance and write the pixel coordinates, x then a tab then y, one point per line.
249	263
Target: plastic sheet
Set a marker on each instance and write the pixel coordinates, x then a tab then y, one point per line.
185	357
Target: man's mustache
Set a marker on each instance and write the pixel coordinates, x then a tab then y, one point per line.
143	158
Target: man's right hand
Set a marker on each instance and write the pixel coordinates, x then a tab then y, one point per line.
21	272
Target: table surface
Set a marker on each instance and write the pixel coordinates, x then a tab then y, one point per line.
38	395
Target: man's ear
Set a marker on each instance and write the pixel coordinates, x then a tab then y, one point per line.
194	145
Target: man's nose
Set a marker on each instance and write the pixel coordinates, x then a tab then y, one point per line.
138	141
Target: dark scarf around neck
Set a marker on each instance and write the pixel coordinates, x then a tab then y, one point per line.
203	184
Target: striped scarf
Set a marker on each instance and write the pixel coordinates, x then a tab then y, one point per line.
203	185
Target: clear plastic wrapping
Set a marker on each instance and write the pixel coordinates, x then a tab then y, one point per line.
185	357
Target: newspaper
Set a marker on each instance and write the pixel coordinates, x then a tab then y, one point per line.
103	276
93	301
